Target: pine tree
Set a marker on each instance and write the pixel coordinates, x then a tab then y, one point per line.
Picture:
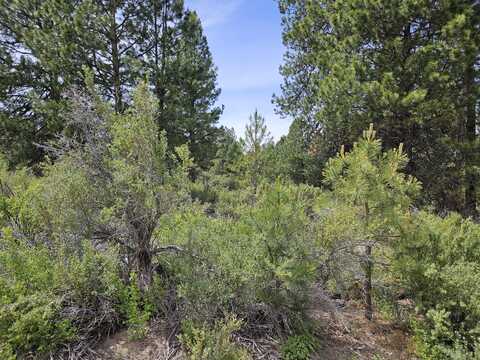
196	82
257	135
41	54
462	34
256	139
370	183
159	20
403	65
182	74
299	158
114	49
45	44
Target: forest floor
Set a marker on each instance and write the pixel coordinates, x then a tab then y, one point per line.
157	345
343	332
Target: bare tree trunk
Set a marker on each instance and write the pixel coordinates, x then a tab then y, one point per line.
368	269
367	285
144	269
140	232
470	127
116	81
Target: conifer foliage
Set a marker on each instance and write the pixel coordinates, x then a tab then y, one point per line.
410	67
123	206
46	44
370	183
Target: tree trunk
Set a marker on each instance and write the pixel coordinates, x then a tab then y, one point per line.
144	267
161	92
144	270
116	81
140	232
470	134
368	269
367	285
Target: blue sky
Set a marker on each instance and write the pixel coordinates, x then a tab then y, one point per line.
245	40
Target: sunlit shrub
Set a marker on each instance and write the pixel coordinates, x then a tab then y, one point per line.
49	297
260	260
299	347
438	262
212	343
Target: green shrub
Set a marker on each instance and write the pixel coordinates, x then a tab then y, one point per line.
280	230
29	307
136	309
438	261
438	337
260	261
33	324
299	347
205	343
461	353
49	297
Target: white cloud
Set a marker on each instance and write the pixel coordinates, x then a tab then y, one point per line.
214	12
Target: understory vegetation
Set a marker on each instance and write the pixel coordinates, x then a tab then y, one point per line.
116	233
122	202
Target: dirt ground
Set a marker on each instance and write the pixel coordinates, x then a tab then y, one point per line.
159	344
345	334
342	330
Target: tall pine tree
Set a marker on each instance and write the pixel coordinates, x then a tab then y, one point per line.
182	74
41	54
44	44
114	51
256	139
410	67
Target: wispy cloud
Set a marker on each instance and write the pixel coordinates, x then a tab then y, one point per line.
245	39
214	12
